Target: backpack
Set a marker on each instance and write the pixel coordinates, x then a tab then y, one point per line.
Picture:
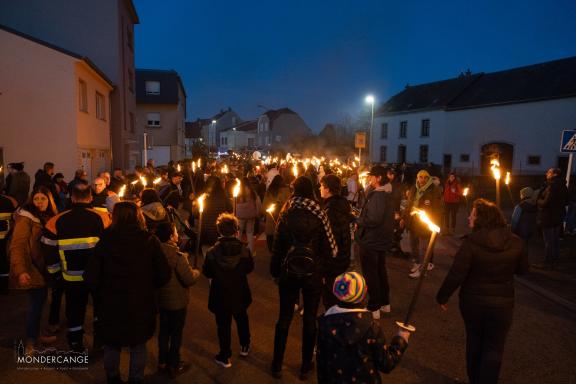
300	261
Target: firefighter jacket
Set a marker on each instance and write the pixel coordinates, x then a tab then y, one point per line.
69	239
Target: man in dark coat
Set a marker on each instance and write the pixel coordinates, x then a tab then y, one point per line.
44	177
19	185
551	202
375	237
340	216
228	263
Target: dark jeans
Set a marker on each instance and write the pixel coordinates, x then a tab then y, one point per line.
376	276
170	336
486	331
76	301
224	322
55	304
450	212
552	243
289	291
37	298
418	246
137	361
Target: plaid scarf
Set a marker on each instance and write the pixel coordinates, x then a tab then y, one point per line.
314	208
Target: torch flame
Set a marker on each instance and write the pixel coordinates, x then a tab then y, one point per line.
363	178
295	170
199	163
143	181
271	208
122	191
465	192
157	180
201	202
495	168
135	182
194	167
425	219
507	180
178	168
236	190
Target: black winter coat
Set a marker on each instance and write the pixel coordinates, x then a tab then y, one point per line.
376	222
306	228
340	216
126	269
214	206
484	269
352	350
552	202
228	263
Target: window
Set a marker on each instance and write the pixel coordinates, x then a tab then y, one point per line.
384	131
383	153
464	157
423	153
83	96
425	129
131	80
533	160
403	129
401	154
132	122
153	119
100	109
251	142
152	87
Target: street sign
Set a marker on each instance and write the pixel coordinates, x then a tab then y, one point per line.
568	143
360	140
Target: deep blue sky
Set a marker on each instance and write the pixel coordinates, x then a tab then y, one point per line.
321	58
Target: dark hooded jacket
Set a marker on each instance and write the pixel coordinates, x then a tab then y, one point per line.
552	202
228	263
376	221
154	214
484	269
340	216
352	350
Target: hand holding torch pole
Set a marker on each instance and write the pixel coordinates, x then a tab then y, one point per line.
435	230
201	210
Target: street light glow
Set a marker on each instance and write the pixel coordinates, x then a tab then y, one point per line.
369	99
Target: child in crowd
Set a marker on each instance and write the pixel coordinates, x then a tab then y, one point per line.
351	348
228	263
173	302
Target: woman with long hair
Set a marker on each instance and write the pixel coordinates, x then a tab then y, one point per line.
127	268
484	269
277	193
303	245
27	265
248	210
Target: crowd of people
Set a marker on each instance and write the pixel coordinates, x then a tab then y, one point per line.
130	244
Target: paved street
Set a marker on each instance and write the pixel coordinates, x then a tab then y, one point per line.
540	349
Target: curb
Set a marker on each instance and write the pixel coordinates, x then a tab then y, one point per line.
547	294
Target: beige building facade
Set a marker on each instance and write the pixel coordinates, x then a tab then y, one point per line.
54	106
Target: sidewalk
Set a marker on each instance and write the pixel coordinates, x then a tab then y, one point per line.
558	285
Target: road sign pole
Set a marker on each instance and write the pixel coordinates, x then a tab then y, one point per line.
569	170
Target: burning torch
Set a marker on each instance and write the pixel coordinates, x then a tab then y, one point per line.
201	210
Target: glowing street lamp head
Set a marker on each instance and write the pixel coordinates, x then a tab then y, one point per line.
369	99
236	190
426	220
201	202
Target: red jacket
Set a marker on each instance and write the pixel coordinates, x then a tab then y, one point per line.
452	192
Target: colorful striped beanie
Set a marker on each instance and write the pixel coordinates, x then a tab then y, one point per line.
350	287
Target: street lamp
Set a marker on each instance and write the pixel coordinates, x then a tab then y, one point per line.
212	137
370	100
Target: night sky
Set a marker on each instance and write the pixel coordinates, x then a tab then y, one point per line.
320	58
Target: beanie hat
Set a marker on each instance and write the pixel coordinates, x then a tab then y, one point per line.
423	172
350	287
526	193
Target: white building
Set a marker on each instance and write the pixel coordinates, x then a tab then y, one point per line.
516	116
241	137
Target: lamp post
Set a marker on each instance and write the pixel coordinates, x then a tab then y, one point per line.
435	231
370	100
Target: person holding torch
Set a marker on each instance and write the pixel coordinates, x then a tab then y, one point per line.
484	269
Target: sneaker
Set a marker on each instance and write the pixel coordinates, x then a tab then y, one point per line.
415	274
415	267
224	363
244	350
385	308
430	266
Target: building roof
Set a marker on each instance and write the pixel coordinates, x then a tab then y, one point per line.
169	83
244	126
75	55
550	80
273	114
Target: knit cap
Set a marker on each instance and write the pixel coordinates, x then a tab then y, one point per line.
350	287
423	172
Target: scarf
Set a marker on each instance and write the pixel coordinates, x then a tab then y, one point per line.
420	191
314	208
